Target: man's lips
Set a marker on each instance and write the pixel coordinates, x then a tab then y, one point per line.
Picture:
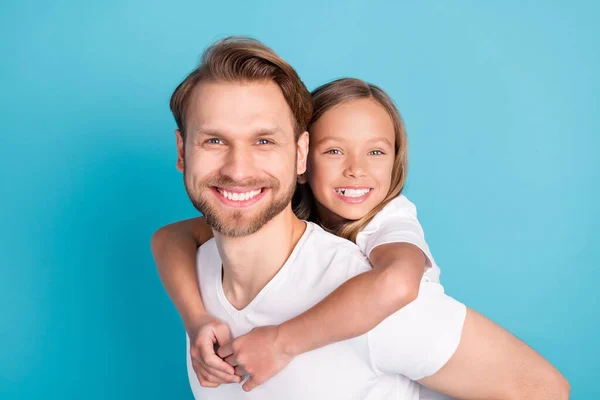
239	197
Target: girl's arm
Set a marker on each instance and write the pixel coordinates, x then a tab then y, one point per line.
354	308
174	248
361	303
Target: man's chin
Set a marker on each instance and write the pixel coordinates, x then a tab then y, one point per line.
235	231
236	225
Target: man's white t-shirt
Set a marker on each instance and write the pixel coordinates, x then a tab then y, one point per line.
415	342
397	223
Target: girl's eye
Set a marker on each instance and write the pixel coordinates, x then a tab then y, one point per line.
376	153
264	141
214	141
333	151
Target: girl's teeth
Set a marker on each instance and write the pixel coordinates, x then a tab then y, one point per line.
239	196
353	192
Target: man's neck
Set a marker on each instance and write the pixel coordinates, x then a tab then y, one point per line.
250	262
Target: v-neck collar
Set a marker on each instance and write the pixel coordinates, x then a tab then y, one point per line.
281	275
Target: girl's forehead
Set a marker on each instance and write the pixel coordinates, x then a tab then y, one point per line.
357	120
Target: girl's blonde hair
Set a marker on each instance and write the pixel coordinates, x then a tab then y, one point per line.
326	97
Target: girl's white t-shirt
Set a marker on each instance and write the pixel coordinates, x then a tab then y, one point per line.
397	223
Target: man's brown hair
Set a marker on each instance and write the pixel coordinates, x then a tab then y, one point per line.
242	59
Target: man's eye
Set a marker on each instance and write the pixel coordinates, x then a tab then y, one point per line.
376	153
214	141
333	151
264	141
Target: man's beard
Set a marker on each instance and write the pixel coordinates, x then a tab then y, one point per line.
233	223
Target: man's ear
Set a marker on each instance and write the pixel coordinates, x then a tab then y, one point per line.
180	152
302	153
301	179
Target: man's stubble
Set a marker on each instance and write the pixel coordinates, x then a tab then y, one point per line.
231	223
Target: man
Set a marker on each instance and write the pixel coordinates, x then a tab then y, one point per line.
241	142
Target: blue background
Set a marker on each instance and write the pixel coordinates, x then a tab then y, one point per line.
501	105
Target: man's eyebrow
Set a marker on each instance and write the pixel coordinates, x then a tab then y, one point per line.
268	132
207	132
262	132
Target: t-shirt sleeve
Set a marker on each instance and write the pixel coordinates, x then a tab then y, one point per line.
400	226
419	339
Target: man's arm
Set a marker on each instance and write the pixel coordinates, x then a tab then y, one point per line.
491	363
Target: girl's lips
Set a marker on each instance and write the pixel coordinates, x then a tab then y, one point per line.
354	200
239	204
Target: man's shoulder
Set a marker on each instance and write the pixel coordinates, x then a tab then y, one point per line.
207	255
210	246
332	251
320	263
320	238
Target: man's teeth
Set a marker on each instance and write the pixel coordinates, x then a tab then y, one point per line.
352	192
235	196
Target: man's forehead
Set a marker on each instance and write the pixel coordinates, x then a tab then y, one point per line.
222	106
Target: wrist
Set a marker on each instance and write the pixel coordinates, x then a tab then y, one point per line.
197	320
286	341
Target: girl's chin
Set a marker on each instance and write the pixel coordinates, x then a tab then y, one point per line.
341	212
351	213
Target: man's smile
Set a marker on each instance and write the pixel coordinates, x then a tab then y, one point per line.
239	197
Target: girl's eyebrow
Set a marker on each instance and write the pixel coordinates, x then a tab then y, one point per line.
380	139
328	139
373	140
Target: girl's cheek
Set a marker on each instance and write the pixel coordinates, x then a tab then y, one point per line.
318	182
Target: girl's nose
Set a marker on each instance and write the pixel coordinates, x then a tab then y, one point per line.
355	167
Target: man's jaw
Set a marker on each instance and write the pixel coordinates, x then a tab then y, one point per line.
239	197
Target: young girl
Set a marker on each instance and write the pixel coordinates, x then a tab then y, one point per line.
356	171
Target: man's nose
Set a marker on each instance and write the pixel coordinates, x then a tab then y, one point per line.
355	167
238	164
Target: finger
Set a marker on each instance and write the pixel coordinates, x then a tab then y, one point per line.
225	350
205	383
202	375
208	356
250	384
222	333
214	361
240	371
223	377
231	360
205	347
213	375
200	370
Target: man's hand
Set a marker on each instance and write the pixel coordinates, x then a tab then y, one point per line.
211	370
258	354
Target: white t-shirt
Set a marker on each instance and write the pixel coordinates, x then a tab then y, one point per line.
397	222
413	343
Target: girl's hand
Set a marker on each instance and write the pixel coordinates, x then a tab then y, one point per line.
207	333
259	354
